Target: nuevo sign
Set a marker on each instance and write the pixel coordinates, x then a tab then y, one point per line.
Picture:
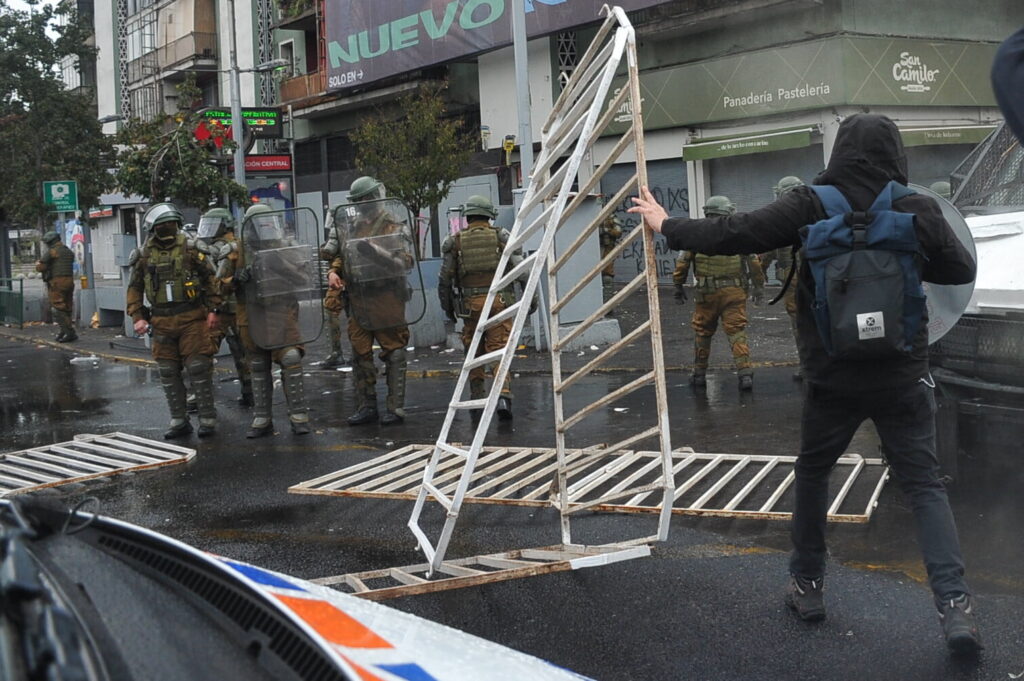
368	41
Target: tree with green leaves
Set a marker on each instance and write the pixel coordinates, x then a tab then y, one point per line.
47	131
163	159
418	154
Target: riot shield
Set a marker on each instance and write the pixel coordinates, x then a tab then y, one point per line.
282	297
947	302
383	283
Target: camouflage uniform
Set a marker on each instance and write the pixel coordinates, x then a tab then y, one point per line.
722	283
609	234
57	267
179	284
471	258
333	303
785	261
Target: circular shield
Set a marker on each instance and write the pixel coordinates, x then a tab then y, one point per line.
946	303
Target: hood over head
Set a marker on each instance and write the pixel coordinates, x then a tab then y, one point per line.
868	153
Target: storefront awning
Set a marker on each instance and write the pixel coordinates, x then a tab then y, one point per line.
964	134
750	143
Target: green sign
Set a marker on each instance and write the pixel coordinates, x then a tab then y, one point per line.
737	145
264	123
813	75
61	196
968	134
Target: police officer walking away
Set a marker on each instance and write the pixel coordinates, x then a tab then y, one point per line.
184	307
217	233
471	258
373	281
894	391
609	234
721	283
785	262
57	267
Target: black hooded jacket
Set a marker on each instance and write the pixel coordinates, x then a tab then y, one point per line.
868	153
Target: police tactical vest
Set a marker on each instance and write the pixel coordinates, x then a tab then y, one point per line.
62	262
868	299
717	271
479	253
167	280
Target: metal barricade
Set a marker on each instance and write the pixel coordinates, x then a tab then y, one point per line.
12	302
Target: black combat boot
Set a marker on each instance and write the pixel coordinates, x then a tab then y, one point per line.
365	414
504	408
746	382
177	430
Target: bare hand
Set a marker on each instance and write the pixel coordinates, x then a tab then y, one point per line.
653	214
141	327
212	321
333	280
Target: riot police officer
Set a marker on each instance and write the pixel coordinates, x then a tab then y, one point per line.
721	286
609	234
268	315
57	267
785	261
184	307
216	235
471	258
372	279
333	303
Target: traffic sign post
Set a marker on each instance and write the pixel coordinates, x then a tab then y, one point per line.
61	196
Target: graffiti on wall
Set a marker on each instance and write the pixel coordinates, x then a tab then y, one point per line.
676	201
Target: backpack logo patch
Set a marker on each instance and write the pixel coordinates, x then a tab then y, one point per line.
871	325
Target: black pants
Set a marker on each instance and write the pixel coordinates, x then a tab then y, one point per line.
905	420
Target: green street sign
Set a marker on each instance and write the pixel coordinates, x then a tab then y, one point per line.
61	196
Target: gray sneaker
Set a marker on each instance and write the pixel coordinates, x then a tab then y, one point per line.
956	612
806	598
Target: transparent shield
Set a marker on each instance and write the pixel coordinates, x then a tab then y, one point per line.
383	283
283	296
946	303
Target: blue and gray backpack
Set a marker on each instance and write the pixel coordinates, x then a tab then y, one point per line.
868	300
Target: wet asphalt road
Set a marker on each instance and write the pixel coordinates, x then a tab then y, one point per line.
706	605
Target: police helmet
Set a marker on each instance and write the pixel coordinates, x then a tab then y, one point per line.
165	214
941	188
50	238
719	205
366	188
480	206
265	223
787	184
214	223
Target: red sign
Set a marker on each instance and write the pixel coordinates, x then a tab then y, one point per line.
268	163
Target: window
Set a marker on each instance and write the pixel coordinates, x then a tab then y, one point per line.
286	51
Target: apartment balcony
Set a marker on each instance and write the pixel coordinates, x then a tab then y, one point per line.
299	90
194	50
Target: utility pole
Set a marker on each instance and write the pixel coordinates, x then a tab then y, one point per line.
522	89
236	109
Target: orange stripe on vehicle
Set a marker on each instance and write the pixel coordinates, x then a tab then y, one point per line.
333	624
363	673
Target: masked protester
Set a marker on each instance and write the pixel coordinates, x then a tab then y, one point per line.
785	261
183	308
264	274
721	286
867	162
471	258
216	235
376	252
57	267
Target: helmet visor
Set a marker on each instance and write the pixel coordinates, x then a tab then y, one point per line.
268	228
211	227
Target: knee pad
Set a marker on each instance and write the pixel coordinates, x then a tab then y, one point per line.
198	365
168	368
291	358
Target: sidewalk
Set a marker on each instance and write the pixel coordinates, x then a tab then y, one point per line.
771	344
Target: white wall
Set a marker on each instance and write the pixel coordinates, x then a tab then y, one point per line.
499	105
